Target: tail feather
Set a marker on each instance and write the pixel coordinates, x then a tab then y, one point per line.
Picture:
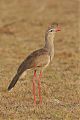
14	81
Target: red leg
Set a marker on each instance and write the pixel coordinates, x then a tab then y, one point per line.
34	92
39	87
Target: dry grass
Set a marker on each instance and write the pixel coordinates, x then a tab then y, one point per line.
22	25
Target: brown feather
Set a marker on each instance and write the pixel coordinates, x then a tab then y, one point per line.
35	59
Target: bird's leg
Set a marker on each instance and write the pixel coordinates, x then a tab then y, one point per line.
39	87
34	92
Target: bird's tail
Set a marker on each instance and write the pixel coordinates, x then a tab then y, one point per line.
14	81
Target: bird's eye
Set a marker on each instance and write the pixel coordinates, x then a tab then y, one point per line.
51	30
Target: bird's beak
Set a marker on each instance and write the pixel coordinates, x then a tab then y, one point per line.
58	29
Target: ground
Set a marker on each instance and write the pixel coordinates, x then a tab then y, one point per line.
22	29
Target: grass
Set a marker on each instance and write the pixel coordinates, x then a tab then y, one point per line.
22	29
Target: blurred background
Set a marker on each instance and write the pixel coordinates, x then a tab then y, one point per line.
22	29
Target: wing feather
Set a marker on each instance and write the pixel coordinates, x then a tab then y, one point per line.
37	58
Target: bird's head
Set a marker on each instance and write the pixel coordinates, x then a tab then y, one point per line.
52	29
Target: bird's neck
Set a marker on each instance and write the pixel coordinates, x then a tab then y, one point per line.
49	45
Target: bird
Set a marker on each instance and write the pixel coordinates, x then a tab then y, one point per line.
38	60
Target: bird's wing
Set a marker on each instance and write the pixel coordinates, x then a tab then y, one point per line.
38	58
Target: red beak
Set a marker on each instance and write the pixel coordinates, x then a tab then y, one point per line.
58	29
